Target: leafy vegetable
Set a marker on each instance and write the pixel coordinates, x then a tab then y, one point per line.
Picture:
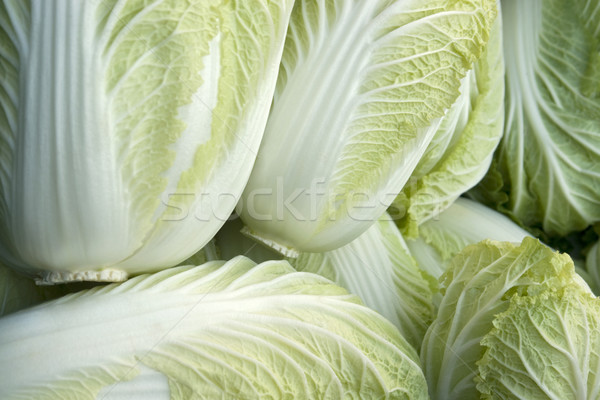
361	91
479	285
131	129
120	125
546	172
464	222
226	330
544	347
461	150
378	267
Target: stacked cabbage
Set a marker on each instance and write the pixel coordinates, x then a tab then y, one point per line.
273	187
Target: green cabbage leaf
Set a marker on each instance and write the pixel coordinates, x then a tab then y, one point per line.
465	222
462	148
220	330
545	173
361	91
120	124
480	284
544	347
377	267
592	264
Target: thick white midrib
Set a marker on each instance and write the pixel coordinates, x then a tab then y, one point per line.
71	144
32	103
56	24
464	210
570	353
104	330
519	63
99	328
317	95
522	71
457	336
363	267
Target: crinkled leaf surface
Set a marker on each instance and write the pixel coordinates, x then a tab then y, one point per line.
120	118
222	330
462	148
544	347
547	163
361	89
477	286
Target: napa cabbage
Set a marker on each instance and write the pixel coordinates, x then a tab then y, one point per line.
461	150
220	330
361	92
379	268
490	290
561	357
128	129
464	222
545	172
